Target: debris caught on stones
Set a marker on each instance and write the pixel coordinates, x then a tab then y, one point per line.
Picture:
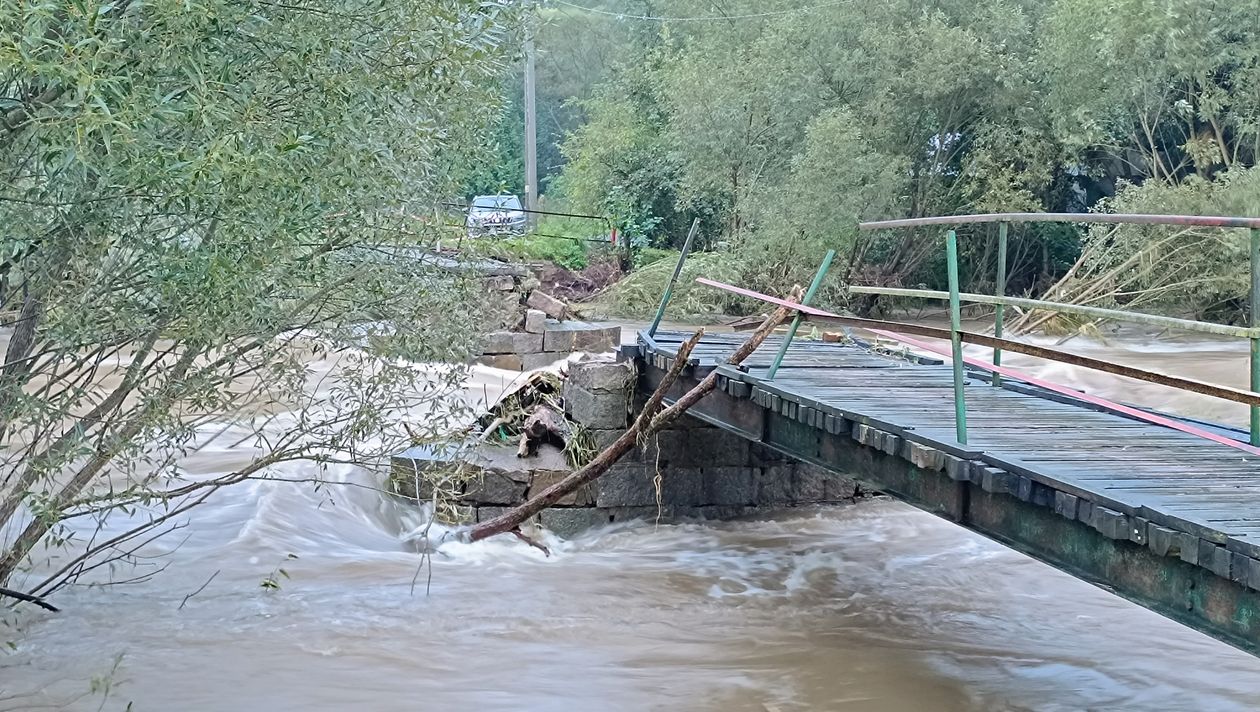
545	424
531	414
651	419
505	421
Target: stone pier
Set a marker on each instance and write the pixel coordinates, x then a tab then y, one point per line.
543	341
690	471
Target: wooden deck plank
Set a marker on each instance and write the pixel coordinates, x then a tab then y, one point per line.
1136	466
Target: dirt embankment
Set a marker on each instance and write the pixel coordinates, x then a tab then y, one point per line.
580	286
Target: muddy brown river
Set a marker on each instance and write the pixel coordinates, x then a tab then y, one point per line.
871	607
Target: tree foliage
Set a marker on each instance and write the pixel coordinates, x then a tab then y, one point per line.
199	199
573	53
970	106
1184	270
1172	88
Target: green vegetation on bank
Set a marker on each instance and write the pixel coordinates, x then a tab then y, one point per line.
638	294
567	242
571	243
780	132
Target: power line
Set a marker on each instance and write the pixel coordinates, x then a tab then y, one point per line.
705	18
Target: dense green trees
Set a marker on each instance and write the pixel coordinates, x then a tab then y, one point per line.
784	129
574	53
1174	84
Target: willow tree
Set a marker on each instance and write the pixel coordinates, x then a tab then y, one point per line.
737	112
195	200
1166	89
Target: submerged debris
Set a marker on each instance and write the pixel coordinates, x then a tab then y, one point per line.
531	414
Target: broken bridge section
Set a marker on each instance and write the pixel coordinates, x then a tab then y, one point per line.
1164	518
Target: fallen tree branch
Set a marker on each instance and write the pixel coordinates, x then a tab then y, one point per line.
648	422
200	588
513	518
28	598
521	535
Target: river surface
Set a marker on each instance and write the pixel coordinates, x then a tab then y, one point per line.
874	606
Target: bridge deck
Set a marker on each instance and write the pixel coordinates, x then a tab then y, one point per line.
1184	497
1138	468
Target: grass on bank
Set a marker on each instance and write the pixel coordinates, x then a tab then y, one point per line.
572	243
567	242
638	294
575	244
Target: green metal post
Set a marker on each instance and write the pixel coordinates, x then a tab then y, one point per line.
1255	342
1000	289
796	322
955	339
669	287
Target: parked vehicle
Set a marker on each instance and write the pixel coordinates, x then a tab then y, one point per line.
495	215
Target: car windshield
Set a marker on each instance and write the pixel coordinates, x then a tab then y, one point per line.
496	202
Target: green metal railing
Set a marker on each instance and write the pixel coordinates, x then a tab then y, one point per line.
796	321
1000	310
956	297
955	337
673	280
1254	321
814	286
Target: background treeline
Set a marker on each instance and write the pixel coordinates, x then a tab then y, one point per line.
781	124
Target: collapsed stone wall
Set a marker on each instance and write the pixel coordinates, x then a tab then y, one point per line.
690	471
543	341
501	303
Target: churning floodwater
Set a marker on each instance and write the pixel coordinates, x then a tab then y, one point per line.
873	606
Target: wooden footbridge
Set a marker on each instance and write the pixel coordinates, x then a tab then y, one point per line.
1162	511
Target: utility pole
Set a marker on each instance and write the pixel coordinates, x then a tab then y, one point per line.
531	130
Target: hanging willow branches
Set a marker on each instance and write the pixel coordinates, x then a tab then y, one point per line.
183	195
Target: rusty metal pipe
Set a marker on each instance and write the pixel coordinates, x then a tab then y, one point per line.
1123	218
819	316
1164	322
1188	384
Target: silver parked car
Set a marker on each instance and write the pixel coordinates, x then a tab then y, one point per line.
495	215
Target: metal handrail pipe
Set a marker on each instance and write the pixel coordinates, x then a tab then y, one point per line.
1168	322
1122	218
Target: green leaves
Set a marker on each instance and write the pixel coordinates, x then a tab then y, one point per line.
193	176
271	582
773	130
951	106
1162	79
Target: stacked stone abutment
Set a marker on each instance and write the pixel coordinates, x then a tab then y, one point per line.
689	471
